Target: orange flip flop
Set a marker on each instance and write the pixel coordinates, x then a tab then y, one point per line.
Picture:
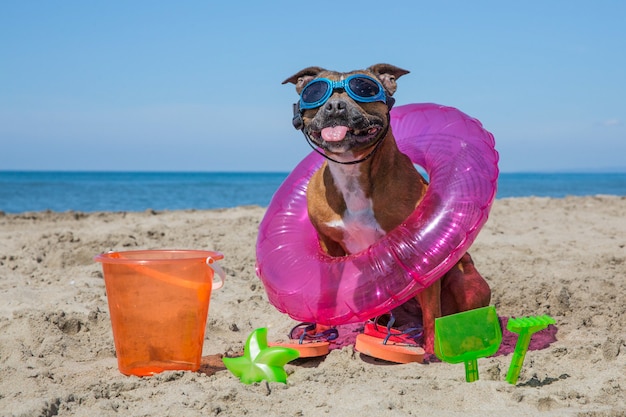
307	349
308	343
390	344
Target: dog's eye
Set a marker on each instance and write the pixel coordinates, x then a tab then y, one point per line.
314	91
364	87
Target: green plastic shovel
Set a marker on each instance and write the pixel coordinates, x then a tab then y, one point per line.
467	336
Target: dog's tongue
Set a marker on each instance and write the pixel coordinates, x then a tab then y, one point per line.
334	134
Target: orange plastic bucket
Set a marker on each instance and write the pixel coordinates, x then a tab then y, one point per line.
159	301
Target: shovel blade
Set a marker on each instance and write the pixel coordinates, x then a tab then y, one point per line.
468	335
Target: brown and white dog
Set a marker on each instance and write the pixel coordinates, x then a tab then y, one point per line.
368	187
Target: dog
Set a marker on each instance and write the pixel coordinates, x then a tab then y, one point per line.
367	187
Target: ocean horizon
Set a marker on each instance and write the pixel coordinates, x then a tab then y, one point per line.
82	191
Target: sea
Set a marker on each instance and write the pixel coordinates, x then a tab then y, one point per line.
28	191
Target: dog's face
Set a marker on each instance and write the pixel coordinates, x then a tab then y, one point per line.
352	115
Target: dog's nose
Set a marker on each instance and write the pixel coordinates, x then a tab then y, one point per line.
335	107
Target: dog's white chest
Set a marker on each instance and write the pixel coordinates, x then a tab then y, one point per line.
358	223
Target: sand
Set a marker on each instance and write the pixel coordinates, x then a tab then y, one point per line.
562	257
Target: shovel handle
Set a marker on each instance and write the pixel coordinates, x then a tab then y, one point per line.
471	370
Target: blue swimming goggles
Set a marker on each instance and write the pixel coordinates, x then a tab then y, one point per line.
359	87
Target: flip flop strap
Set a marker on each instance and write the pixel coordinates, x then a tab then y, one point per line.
406	332
326	335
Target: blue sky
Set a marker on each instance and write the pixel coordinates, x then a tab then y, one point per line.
196	85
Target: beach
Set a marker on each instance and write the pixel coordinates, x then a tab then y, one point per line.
565	257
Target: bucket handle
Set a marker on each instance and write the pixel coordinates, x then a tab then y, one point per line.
219	275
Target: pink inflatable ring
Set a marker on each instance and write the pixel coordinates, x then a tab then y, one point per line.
303	281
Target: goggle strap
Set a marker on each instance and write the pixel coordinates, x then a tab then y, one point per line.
297	121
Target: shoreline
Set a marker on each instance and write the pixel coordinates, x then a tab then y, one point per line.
564	256
150	210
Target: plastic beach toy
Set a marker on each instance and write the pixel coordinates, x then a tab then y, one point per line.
310	286
158	301
259	361
467	336
525	327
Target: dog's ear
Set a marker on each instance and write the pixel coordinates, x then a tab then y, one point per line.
303	77
388	74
